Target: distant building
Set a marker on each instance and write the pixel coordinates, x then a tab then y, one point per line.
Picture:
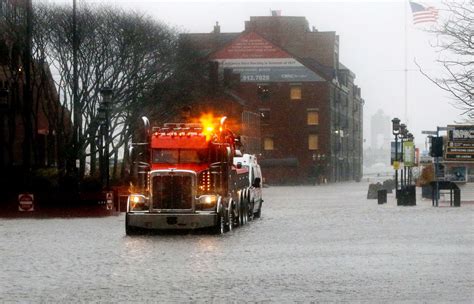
310	109
380	138
380	130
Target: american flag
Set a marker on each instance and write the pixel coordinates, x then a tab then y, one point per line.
423	13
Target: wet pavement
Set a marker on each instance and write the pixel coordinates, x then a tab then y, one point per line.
313	244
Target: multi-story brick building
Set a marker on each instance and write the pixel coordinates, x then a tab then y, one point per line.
310	109
44	101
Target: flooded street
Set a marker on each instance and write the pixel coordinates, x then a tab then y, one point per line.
313	243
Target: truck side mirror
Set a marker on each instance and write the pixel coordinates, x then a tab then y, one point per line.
146	128
256	182
239	165
141	135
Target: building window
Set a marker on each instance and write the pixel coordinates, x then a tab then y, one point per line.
268	143
313	117
265	115
313	142
295	92
263	91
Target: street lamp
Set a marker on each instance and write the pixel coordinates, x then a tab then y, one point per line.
410	138
396	132
403	136
395	126
403	129
104	112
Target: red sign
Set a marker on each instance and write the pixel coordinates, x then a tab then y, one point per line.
109	200
26	202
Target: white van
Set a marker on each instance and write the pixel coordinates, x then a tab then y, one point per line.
255	181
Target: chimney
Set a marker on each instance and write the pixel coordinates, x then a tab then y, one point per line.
217	28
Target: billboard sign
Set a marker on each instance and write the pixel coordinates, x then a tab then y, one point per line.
464	133
460	146
258	60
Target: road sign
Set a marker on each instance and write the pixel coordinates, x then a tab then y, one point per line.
109	199
396	165
409	153
399	152
26	202
429	132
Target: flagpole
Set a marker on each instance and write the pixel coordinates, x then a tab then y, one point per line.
406	62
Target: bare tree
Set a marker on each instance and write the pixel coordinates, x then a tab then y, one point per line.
125	51
455	46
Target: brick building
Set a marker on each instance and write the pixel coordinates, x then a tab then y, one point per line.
310	109
44	99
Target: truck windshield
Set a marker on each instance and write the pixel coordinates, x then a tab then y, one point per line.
179	156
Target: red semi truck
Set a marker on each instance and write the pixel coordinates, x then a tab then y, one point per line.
188	179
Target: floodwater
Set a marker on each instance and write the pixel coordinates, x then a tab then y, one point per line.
313	244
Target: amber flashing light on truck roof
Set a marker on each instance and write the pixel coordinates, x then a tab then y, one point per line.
177	134
207	127
178	130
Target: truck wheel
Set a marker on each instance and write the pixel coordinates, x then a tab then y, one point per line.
230	222
230	219
258	214
218	228
130	230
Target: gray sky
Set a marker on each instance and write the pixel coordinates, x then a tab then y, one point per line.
372	45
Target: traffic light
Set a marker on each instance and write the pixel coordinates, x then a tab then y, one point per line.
436	149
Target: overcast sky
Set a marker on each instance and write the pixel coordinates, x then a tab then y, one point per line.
372	45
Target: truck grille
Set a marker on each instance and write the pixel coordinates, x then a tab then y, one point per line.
172	191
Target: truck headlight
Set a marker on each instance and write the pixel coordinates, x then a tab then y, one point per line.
207	201
137	202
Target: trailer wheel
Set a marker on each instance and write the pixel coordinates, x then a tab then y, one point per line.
251	206
258	214
246	213
243	213
237	214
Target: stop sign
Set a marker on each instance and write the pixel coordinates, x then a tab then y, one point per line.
25	202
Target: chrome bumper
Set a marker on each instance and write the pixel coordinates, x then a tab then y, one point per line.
171	220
